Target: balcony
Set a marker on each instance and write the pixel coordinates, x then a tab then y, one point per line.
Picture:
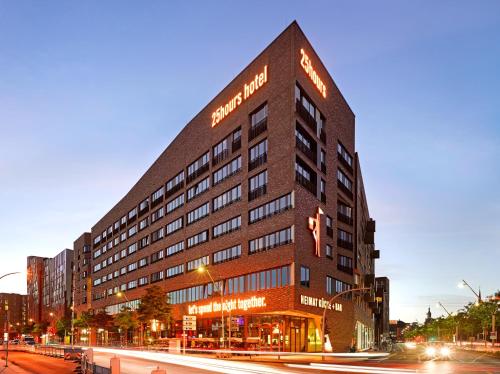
375	254
220	157
344	163
306	183
257	129
306	116
311	155
256	162
369	237
370	225
236	145
344	244
177	187
201	170
344	218
144	210
258	192
344	189
345	269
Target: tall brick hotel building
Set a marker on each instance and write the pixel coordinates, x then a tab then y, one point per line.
263	187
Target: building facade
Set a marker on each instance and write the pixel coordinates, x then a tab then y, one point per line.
35	280
382	314
13	314
263	189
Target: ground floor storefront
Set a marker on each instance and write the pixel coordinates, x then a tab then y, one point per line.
272	332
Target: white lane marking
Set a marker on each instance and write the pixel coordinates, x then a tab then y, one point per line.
352	369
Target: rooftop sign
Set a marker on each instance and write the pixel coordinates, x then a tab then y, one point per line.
306	64
247	91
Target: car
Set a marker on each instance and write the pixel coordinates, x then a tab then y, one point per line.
29	341
14	342
437	351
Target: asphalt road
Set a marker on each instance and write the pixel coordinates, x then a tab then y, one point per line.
37	364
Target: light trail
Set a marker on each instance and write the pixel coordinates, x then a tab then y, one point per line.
353	369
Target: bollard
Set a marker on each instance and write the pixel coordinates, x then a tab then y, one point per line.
159	371
114	364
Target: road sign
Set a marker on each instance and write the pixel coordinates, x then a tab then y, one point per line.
189	318
493	336
189	323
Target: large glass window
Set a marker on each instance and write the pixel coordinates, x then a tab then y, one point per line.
226	171
272	240
304	276
226	198
271	208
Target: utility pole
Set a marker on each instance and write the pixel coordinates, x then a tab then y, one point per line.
6	332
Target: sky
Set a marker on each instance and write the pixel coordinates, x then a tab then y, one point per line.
92	92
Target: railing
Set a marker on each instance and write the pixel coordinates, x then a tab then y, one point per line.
306	116
344	162
258	161
156	202
260	191
177	187
201	170
344	244
344	218
257	129
345	269
311	187
220	157
305	150
236	145
344	189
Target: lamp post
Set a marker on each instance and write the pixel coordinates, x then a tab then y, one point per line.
202	269
478	295
324	313
6	326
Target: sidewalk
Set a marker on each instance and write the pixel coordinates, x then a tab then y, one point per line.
12	369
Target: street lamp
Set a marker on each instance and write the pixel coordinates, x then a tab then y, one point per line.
6	325
324	313
202	269
463	283
439	304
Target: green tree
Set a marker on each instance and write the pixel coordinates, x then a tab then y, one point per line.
125	321
63	325
154	306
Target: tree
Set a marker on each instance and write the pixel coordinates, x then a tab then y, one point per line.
125	321
41	327
154	306
63	325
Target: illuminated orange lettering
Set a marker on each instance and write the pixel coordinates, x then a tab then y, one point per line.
306	64
248	89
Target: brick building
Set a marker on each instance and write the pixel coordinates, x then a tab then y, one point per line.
382	314
13	314
263	188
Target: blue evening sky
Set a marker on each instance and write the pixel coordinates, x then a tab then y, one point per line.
91	92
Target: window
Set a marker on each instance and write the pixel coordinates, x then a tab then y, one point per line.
131	284
258	116
344	180
198	189
227	254
157	256
157	235
195	264
97	267
309	112
305	143
143	281
132	248
97	253
344	239
197	239
257	185
329	226
132	214
123	253
270	241
123	236
175	248
226	198
304	276
236	140
257	155
132	267
143	224
123	221
226	227
341	286
144	242
157	196
198	213
198	167
271	208
329	251
226	171
344	156
132	231
305	176
143	262
219	152
323	161
116	226
116	241
329	285
156	277
144	205
344	213
175	203
174	226
157	214
175	184
175	270
344	262
322	189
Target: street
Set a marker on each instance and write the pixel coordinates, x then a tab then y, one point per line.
37	364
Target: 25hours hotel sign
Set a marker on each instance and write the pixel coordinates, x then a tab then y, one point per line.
246	91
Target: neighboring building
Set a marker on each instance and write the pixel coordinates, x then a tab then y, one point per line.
382	316
396	330
34	280
264	188
13	310
49	287
82	259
